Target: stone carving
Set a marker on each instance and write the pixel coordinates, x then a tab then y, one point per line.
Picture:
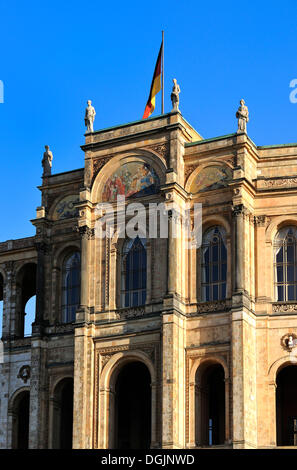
208	307
260	220
285	308
240	210
175	95
47	161
242	115
85	231
97	165
162	149
24	373
189	170
90	117
289	341
131	312
290	181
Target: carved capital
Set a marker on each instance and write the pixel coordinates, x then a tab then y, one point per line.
260	220
85	232
43	248
240	211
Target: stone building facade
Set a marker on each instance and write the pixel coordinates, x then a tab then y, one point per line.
201	350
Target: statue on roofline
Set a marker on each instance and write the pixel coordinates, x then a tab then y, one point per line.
242	115
47	161
90	117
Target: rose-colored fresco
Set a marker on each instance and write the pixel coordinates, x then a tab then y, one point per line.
131	179
212	177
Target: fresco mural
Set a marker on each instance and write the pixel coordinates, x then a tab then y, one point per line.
133	179
212	177
66	209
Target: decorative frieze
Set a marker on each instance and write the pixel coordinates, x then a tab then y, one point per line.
127	313
284	308
210	307
280	182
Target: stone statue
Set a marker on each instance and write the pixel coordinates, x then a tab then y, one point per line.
242	115
90	117
47	161
290	342
175	95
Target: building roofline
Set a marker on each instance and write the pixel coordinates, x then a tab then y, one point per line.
277	146
155	118
63	173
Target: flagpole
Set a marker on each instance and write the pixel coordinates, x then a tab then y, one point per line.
163	72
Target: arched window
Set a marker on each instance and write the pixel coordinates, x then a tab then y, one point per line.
70	287
133	283
285	264
214	264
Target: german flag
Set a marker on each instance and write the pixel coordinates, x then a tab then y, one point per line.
155	87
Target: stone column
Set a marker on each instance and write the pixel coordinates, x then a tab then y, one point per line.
83	389
173	382
38	396
9	300
171	255
40	281
227	410
86	234
238	214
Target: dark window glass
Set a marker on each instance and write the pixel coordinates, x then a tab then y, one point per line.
70	287
214	264
285	264
134	272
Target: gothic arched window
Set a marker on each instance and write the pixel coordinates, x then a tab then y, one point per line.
285	264
70	287
214	264
133	282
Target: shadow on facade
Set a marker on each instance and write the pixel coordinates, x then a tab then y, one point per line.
62	414
210	405
133	407
20	421
286	406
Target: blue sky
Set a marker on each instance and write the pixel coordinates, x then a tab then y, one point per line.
55	56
